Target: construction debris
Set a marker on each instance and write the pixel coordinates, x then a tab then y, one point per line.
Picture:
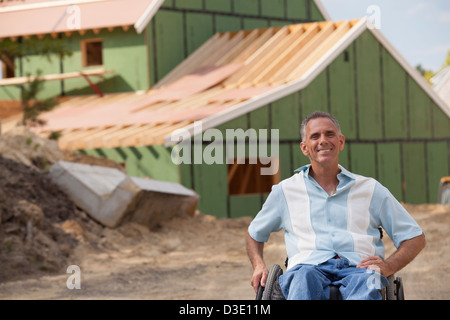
111	197
42	228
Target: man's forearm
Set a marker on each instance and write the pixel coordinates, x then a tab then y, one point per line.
405	253
255	251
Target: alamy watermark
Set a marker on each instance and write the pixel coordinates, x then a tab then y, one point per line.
73	21
237	144
74	280
374	16
374	281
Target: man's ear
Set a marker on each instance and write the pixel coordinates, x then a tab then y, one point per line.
304	149
341	142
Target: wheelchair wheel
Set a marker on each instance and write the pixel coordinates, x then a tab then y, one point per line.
399	288
394	289
390	289
268	292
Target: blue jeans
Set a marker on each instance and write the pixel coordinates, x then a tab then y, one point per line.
312	282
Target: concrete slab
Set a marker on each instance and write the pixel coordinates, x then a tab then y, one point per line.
106	194
160	201
111	197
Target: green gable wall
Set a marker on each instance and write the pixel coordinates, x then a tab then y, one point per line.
124	52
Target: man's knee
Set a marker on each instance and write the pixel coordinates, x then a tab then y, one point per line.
363	285
304	282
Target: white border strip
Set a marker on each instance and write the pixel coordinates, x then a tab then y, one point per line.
148	14
43	5
322	10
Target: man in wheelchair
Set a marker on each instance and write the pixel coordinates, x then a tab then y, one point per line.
331	218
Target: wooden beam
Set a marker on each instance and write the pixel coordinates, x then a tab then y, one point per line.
248	55
54	77
280	55
318	53
262	56
314	41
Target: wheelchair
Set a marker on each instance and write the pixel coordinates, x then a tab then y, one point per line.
393	291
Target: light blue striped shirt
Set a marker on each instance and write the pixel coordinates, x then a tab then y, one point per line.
319	226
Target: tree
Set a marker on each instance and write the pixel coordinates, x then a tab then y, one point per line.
46	47
428	74
447	60
31	105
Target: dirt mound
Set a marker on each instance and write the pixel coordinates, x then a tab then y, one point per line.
30	208
40	226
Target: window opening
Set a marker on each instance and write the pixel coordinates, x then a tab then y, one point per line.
246	178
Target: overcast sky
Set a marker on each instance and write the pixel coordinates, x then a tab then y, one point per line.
418	29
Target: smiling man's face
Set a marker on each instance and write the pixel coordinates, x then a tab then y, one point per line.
322	142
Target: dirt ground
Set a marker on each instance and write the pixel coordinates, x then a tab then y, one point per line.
201	258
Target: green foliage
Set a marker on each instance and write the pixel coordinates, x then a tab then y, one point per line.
428	74
44	47
32	106
54	135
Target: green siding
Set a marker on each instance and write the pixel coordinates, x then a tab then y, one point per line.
314	97
186	175
272	8
344	159
239	122
297	9
227	23
438	167
210	182
389	167
118	43
151	161
199	28
286	118
315	13
248	7
395	98
368	87
219	6
255	23
441	123
419	111
414	172
285	161
362	159
298	159
259	119
342	97
245	205
189	4
169	41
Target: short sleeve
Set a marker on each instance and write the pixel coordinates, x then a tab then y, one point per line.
395	220
269	218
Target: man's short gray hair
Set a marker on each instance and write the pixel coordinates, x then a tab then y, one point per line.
315	115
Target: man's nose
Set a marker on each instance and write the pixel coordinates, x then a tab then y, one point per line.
322	139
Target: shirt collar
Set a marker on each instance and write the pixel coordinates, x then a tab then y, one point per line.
343	174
